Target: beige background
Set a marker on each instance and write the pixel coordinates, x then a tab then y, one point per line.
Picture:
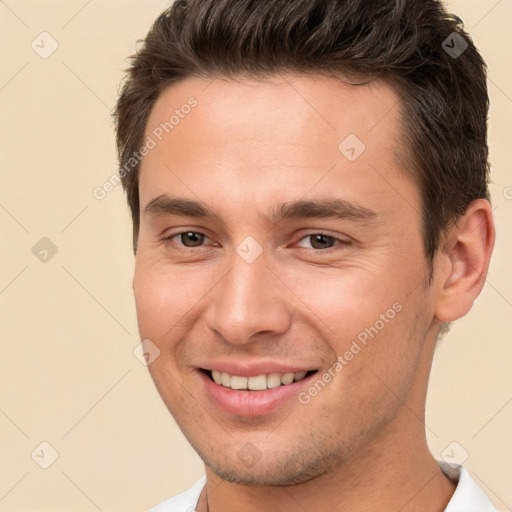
68	375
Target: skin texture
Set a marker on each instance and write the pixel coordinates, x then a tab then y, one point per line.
248	145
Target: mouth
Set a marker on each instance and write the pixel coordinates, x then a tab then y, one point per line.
253	389
258	382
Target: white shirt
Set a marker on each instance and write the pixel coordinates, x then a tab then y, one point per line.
468	496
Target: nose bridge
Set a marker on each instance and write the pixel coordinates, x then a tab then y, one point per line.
249	299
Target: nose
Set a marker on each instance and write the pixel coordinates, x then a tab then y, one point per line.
250	299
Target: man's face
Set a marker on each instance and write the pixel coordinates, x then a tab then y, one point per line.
255	289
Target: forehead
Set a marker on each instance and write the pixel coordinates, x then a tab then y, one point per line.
280	110
271	137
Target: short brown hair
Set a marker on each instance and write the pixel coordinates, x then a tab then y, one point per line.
414	45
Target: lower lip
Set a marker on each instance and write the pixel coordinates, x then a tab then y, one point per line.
252	403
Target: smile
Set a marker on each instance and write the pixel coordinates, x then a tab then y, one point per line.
258	382
255	388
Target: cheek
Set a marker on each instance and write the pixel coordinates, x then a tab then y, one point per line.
153	295
163	296
366	320
160	297
344	302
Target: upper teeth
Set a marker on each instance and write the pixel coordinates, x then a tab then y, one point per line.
260	382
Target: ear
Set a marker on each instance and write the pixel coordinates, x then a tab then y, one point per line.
464	261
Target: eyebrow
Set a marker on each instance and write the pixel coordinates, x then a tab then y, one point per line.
337	208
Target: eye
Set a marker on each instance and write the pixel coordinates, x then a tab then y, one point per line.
188	239
322	241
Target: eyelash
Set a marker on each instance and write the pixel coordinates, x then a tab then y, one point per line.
340	241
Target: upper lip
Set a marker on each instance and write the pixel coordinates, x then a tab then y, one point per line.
254	368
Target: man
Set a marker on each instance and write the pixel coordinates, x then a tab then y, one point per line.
308	186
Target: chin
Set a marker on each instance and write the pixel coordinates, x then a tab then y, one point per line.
283	470
270	478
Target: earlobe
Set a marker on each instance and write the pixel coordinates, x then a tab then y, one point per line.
466	259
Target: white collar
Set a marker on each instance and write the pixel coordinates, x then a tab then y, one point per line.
468	496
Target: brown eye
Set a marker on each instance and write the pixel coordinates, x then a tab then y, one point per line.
320	241
191	238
